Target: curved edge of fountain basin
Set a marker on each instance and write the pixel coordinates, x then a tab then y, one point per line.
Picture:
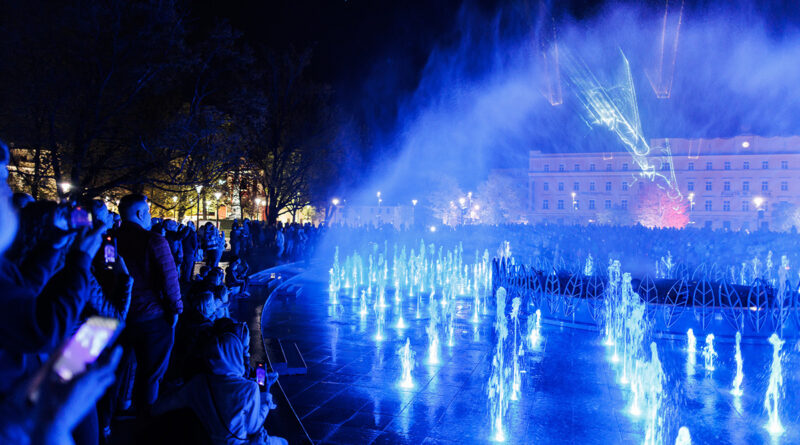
282	269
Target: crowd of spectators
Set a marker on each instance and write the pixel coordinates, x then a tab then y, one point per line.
63	263
638	248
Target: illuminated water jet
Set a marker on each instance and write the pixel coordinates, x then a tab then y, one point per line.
774	393
407	362
498	387
737	380
709	354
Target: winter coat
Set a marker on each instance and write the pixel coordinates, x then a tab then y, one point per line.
156	291
38	311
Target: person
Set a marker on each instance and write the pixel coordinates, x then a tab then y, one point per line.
155	303
231	407
212	244
236	277
190	246
175	239
236	238
214	283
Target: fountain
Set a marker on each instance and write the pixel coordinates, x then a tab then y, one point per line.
653	389
774	425
379	325
737	380
407	361
363	307
535	326
498	382
517	380
433	335
684	438
709	354
691	351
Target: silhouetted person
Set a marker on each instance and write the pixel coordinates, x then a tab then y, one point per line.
155	302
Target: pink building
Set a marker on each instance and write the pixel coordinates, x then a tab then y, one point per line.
734	183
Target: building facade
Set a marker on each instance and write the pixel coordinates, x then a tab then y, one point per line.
732	183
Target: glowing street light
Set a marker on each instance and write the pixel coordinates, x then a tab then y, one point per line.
379	199
199	189
462	201
414	202
758	201
65	187
335	201
432	228
413	212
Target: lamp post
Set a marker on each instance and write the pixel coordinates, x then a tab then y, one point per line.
258	209
174	203
217	195
379	199
413	212
199	189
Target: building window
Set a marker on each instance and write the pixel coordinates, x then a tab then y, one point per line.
546	186
727	165
577	167
709	166
547	167
545	204
624	186
691	166
765	165
690	186
591	204
745	206
665	166
560	204
607	204
746	165
561	167
764	186
624	166
591	167
576	186
708	206
708	186
784	165
746	186
560	186
726	206
608	167
784	186
591	186
726	186
624	204
608	186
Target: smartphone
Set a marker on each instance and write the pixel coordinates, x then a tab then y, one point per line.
261	376
80	351
109	252
79	218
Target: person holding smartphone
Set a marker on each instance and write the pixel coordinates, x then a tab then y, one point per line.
231	407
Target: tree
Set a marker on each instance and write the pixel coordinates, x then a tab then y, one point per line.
655	208
501	198
785	215
287	133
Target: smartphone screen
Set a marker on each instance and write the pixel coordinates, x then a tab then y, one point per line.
80	218
261	376
85	346
109	254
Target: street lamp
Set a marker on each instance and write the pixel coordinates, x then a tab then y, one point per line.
414	212
217	195
65	187
174	203
335	201
379	199
199	189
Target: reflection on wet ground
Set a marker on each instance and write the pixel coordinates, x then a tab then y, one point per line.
351	394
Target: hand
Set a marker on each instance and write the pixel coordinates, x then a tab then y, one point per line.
64	405
89	240
272	377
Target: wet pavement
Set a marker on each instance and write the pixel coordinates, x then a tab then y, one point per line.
569	395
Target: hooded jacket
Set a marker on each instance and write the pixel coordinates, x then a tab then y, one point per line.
229	405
